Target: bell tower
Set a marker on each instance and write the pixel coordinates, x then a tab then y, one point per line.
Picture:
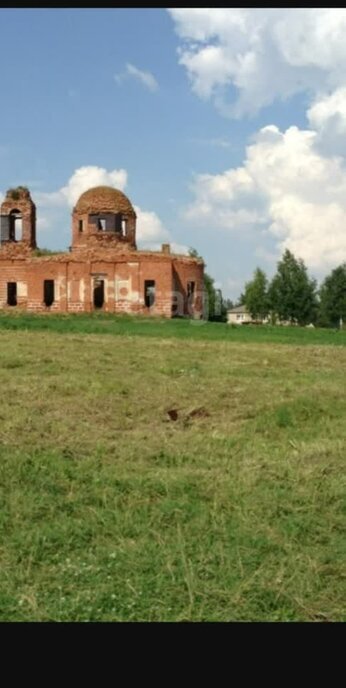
18	218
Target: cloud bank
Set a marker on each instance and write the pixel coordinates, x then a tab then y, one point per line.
285	188
292	184
245	58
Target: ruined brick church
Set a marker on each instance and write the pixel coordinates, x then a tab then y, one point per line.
102	270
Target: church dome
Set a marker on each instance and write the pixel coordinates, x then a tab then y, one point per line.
104	199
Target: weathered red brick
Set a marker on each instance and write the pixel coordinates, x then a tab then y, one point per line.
97	255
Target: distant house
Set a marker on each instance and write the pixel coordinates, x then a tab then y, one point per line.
240	316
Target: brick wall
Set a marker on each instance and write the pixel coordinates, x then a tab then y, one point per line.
103	268
22	202
184	271
123	278
11	271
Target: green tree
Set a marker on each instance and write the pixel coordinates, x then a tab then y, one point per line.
292	294
256	295
214	306
240	300
228	303
333	298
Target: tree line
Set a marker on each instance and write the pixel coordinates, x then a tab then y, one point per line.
291	296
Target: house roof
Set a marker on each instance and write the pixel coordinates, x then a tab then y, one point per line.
238	309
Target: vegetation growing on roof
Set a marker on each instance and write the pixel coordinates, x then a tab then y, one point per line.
17	192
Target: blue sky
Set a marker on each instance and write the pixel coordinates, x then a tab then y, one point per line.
226	128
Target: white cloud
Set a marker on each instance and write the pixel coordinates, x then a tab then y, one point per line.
146	78
151	233
327	115
149	227
287	189
257	55
292	184
83	178
327	108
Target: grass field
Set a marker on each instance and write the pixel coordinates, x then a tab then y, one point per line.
230	507
100	323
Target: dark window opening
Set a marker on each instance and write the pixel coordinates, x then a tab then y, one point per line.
149	293
11	293
118	219
16	225
5	227
80	227
99	293
48	292
106	222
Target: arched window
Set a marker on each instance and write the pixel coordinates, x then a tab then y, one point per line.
16	225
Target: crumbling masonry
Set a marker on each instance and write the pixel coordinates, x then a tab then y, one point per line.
103	269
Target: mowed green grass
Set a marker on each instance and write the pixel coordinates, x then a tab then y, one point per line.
111	511
200	330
